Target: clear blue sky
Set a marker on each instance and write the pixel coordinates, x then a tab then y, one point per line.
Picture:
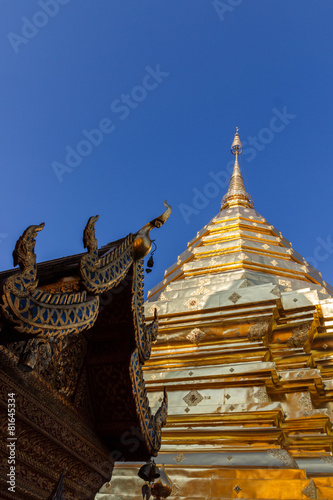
166	82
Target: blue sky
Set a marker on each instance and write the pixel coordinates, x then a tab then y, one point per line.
164	83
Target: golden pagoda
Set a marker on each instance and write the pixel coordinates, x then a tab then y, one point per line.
245	352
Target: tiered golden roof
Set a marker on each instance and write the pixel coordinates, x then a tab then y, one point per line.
245	352
238	243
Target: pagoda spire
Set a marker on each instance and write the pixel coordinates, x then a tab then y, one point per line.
236	194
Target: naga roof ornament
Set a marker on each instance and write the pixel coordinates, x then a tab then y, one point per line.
35	311
142	242
99	274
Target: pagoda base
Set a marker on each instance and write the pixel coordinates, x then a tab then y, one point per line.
208	483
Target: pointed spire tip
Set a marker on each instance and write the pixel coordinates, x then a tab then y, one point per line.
236	146
236	194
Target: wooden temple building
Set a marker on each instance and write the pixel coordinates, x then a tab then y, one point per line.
245	350
73	342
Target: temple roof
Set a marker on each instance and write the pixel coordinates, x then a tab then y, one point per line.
73	341
239	243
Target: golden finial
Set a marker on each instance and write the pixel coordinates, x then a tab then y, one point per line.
236	194
236	146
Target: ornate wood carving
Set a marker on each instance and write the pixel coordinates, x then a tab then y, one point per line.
144	334
101	274
151	426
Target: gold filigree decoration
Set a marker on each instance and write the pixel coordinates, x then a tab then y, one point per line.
310	490
284	457
179	458
299	336
305	401
196	335
261	395
193	398
35	311
234	297
259	330
192	304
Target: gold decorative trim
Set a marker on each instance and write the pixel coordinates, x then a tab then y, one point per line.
193	398
179	458
310	490
305	401
283	456
195	336
259	330
151	426
144	334
299	336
